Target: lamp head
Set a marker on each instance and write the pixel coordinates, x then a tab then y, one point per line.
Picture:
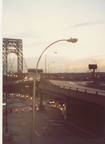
73	40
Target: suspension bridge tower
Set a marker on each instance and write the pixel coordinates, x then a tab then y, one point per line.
12	46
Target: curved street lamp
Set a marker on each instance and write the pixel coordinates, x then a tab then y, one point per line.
72	40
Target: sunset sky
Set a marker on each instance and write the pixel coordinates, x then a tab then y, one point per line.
40	22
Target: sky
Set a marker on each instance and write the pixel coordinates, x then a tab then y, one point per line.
41	22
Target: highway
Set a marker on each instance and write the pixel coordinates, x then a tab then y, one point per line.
81	86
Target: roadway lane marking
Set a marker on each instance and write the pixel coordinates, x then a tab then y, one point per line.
36	133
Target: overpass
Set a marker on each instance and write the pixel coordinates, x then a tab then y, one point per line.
85	107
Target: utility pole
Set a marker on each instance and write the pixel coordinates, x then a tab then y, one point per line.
6	116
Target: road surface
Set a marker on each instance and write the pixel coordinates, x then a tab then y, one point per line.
49	128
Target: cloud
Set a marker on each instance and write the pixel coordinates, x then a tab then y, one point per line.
84	24
89	23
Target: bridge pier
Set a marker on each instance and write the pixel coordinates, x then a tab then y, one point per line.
41	105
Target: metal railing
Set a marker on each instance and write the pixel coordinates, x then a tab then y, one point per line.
85	90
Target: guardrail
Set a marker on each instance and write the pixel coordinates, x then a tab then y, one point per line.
98	92
86	90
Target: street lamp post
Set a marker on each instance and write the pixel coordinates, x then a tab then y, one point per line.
46	62
49	66
49	69
73	40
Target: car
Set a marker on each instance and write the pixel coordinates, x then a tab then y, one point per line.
50	101
38	106
60	104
